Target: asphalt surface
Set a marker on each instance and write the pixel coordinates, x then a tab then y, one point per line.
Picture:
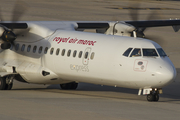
44	102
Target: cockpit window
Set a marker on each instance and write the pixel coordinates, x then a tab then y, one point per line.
126	53
150	52
161	52
136	52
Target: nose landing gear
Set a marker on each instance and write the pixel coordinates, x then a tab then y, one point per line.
153	96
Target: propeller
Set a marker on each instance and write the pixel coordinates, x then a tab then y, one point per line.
134	14
8	35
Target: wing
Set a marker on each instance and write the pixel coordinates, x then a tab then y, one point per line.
122	28
154	23
126	28
104	24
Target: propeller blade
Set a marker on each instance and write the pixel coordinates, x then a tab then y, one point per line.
134	10
19	9
1	19
134	14
154	15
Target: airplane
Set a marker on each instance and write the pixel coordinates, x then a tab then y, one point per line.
59	52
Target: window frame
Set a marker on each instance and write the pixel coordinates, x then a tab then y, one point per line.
51	51
161	50
34	49
86	55
23	47
149	52
40	49
74	53
46	50
58	51
92	55
29	48
11	48
134	55
63	52
80	54
17	47
128	51
69	53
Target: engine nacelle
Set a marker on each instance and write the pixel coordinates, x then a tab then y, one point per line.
121	29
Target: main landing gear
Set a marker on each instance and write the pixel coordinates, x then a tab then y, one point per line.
6	82
153	96
69	86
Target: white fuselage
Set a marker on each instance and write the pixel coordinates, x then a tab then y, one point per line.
102	61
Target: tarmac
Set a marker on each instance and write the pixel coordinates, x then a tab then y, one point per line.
44	102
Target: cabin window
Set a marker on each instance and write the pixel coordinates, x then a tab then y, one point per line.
69	53
40	50
28	48
57	51
63	52
22	48
136	52
17	47
150	52
92	55
11	47
80	54
86	55
161	52
46	50
52	50
34	49
126	53
74	53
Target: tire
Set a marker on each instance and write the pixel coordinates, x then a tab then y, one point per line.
74	86
69	86
156	97
9	87
65	86
150	97
2	83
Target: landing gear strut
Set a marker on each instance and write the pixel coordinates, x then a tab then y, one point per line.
6	82
153	96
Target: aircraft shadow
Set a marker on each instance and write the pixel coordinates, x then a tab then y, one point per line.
170	93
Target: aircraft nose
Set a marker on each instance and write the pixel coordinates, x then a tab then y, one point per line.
166	74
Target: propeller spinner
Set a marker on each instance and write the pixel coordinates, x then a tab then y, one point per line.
8	36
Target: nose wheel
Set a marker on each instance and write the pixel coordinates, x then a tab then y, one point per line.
153	96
